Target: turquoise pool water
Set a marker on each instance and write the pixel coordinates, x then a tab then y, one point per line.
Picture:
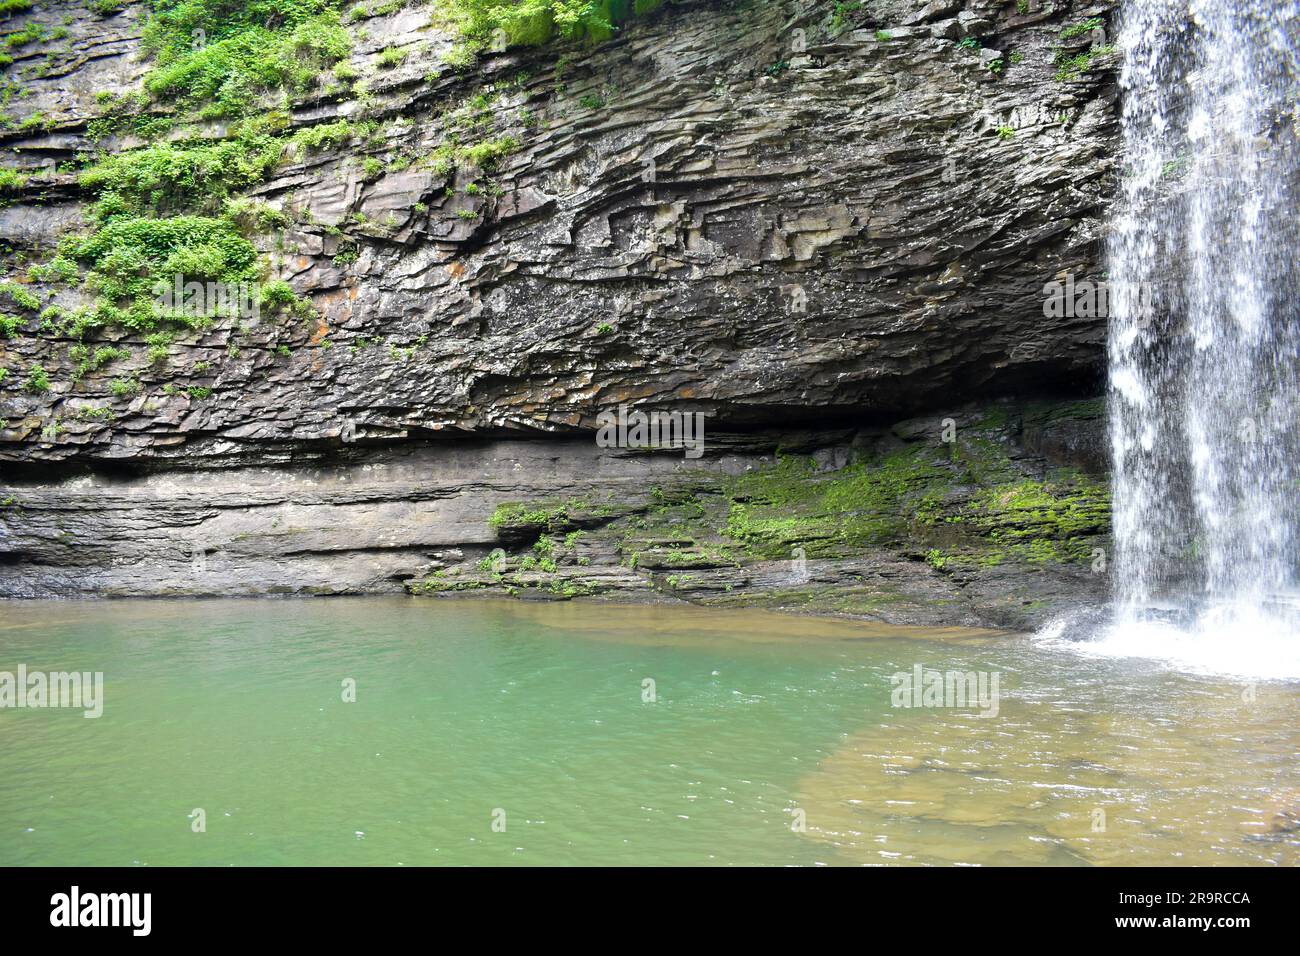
509	733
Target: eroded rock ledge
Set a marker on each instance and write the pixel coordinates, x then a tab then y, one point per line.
1001	525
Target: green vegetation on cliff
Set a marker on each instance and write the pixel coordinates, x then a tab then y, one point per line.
533	22
127	256
220	55
172	211
174	208
200	176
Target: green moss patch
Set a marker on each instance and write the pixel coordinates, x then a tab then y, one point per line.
1055	520
829	513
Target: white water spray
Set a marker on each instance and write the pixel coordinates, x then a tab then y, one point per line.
1205	338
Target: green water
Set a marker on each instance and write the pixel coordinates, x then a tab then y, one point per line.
467	708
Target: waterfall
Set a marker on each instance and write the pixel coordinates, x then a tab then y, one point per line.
1204	350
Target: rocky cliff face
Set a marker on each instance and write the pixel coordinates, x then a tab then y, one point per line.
807	221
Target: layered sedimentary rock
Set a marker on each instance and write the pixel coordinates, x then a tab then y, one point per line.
807	226
996	515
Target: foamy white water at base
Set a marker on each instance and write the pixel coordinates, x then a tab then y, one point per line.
1239	641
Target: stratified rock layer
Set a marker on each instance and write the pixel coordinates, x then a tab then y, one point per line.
737	209
991	517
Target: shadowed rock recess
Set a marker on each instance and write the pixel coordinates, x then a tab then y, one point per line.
826	226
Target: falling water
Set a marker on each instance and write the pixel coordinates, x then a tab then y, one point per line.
1205	337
